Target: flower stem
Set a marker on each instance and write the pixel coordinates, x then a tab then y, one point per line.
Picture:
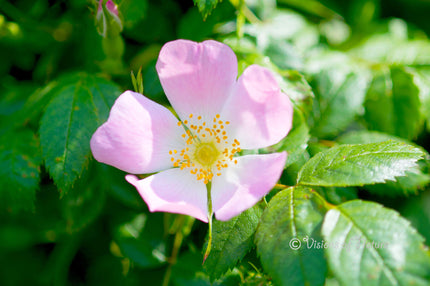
210	215
172	260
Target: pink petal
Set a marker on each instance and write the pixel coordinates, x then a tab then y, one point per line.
137	136
174	191
197	77
260	114
242	185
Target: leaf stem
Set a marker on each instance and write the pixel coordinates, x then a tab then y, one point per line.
322	200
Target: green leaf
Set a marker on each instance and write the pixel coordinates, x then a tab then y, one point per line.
296	142
422	81
20	161
290	217
339	98
356	165
231	240
372	245
206	6
188	271
141	240
415	180
393	104
82	205
416	210
298	89
70	119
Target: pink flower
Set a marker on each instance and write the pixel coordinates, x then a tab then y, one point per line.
219	117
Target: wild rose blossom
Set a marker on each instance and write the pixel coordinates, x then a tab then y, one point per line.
219	115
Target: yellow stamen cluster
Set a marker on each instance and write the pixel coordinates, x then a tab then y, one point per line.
208	149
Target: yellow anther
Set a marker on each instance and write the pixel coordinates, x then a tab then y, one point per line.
217	116
199	117
179	123
191	115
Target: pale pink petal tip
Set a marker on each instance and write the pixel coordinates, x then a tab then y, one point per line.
242	186
173	191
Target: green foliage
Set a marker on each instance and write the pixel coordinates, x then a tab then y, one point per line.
206	6
395	92
339	98
290	216
295	143
369	245
360	88
70	119
231	241
414	181
356	165
20	161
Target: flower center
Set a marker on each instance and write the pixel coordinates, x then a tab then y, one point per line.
208	150
206	154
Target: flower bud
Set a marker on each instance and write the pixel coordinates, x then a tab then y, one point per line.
108	19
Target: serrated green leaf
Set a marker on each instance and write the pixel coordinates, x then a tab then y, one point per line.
392	103
20	161
290	217
413	181
356	165
371	245
339	98
68	123
231	240
206	6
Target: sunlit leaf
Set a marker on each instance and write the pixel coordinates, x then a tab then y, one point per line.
339	98
372	245
231	240
356	165
291	217
393	104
